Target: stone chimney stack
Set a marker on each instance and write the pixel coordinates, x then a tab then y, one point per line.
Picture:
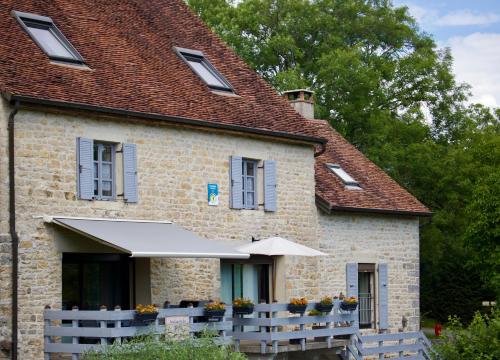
301	100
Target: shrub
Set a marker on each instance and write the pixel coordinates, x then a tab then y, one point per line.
326	300
478	341
242	303
149	348
215	305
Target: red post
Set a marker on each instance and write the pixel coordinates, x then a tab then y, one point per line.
437	329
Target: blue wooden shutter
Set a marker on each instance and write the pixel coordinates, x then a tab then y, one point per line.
383	297
352	286
85	169
270	185
130	173
236	200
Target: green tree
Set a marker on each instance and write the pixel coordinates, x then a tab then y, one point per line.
384	84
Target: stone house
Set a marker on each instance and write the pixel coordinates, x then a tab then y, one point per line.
119	117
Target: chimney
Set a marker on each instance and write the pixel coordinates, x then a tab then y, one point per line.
302	101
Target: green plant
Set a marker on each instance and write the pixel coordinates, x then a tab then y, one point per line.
479	340
215	305
242	303
165	348
326	300
315	312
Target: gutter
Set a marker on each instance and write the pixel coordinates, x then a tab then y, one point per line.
13	232
328	208
167	118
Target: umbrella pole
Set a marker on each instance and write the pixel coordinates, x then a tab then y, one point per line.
274	279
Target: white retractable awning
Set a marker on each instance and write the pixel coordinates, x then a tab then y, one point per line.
141	238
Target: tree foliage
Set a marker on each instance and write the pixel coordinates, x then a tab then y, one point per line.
480	340
384	84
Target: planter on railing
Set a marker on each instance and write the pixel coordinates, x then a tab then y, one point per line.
214	315
144	319
247	310
324	307
297	309
348	306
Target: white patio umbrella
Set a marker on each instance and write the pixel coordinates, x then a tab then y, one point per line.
277	246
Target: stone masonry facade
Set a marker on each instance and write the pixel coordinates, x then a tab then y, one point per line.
374	239
174	166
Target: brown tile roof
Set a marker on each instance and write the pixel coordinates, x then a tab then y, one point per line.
128	46
379	192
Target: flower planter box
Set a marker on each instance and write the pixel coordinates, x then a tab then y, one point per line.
247	310
297	309
348	306
215	315
144	319
324	307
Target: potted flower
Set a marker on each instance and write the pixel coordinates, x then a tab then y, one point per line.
349	304
215	310
145	314
297	305
242	306
325	304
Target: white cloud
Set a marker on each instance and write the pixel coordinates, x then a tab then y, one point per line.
477	62
467	17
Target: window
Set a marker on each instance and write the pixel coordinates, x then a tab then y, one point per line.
366	295
104	163
249	181
48	37
202	67
347	179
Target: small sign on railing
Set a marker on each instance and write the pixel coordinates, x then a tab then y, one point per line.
177	327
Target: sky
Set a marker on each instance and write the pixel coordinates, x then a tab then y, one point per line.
471	29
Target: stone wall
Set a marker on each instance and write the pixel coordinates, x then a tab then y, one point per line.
374	239
174	167
5	248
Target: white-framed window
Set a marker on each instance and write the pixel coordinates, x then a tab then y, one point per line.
249	183
104	171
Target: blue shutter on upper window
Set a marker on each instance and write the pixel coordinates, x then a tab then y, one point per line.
383	297
85	162
352	286
236	200
270	197
130	192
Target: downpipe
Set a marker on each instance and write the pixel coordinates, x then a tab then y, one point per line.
13	232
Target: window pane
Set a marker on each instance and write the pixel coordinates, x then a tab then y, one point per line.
96	152
106	154
96	170
106	171
250	168
250	184
205	74
96	188
50	42
106	188
250	198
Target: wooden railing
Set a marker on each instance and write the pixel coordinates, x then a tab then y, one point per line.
274	323
402	346
75	332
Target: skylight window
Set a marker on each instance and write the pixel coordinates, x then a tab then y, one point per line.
202	67
48	37
347	179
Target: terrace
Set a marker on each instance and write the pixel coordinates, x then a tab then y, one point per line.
271	329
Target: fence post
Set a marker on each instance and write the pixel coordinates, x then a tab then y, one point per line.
302	340
47	339
118	324
263	343
74	325
103	325
329	327
400	342
273	330
381	345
